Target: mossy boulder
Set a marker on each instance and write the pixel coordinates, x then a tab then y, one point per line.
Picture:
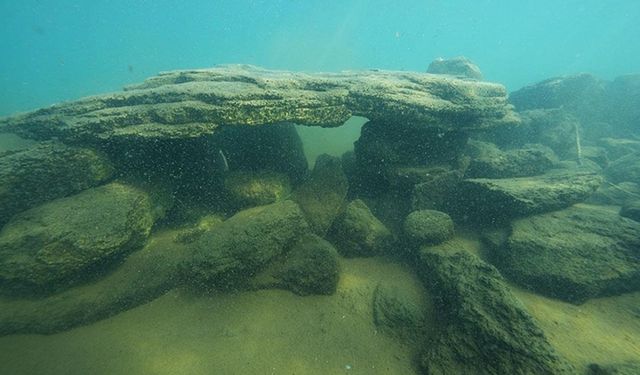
574	254
497	200
227	256
427	227
61	243
357	232
625	169
309	267
47	171
248	189
459	66
484	328
401	312
488	161
322	195
631	210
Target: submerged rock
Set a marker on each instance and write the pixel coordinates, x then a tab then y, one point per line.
494	200
235	250
309	267
143	276
192	103
427	227
62	242
322	196
625	169
458	66
484	328
248	189
47	171
575	254
488	161
400	312
575	92
628	368
631	210
277	148
357	232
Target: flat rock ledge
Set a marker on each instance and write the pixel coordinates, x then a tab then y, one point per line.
192	103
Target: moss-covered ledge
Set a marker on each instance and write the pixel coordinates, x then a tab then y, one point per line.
192	103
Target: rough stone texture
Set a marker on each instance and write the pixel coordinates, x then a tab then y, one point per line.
247	189
226	257
47	171
624	102
357	232
615	194
400	312
628	368
310	267
322	196
631	210
427	227
191	103
625	169
142	277
574	254
488	161
438	192
61	242
494	200
275	147
458	66
484	328
619	147
385	151
574	92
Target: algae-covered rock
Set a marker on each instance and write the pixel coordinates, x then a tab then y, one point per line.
427	227
627	368
238	248
277	148
247	189
57	244
400	312
488	161
357	232
631	210
484	328
625	169
383	148
575	254
575	92
322	195
458	66
47	171
192	103
143	276
309	267
492	200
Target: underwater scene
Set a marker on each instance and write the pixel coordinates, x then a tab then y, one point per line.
320	187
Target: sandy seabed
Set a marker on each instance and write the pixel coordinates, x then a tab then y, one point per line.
261	332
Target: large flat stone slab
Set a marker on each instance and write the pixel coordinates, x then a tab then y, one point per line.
494	200
191	103
575	254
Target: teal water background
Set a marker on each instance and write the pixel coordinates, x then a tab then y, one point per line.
55	50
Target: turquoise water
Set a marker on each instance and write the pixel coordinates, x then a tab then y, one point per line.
56	50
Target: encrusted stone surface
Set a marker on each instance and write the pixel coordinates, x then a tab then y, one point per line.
191	103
